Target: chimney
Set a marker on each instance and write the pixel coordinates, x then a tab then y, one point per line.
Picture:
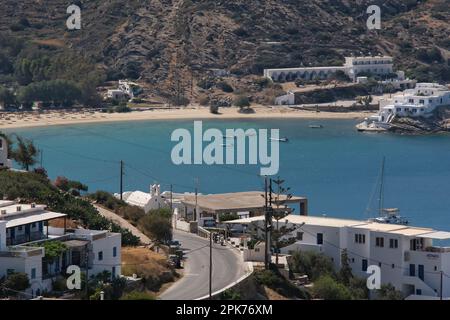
33	205
19	208
3	212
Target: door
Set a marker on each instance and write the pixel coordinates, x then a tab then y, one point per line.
320	238
421	272
364	265
412	270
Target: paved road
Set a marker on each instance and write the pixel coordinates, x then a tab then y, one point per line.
123	223
227	268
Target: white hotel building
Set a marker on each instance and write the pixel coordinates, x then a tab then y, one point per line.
25	227
406	255
421	101
378	65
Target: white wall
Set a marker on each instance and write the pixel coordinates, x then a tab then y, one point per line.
106	246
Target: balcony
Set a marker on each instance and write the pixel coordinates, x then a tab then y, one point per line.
22	252
32	236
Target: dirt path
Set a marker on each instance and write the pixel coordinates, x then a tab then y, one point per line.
124	224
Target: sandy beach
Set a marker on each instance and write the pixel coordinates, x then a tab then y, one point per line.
60	118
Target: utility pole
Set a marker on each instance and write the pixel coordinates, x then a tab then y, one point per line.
87	271
266	221
210	265
171	198
196	196
121	180
442	276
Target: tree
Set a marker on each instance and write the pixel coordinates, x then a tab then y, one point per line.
329	289
6	97
345	273
365	101
157	224
313	264
17	281
241	101
388	292
25	154
279	235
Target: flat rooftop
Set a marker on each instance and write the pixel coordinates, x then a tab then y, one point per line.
233	202
18	214
358	224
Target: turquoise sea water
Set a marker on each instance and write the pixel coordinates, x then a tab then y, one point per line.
335	167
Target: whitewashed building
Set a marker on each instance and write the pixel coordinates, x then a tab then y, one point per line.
4	157
406	255
25	227
147	201
287	99
354	66
421	101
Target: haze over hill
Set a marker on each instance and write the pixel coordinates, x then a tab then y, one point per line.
170	44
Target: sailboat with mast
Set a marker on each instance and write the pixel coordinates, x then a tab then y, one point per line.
386	215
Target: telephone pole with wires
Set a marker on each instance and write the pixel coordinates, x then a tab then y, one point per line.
121	179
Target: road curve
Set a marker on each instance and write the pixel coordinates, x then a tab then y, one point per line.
228	267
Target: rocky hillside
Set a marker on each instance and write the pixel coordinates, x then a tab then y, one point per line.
169	44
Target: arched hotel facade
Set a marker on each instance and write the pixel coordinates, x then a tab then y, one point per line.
352	67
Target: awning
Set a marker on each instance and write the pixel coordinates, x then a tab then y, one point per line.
437	235
32	218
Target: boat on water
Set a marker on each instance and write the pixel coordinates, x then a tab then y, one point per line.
391	216
316	126
386	215
280	139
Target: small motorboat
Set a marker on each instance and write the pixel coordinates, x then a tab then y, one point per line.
316	126
280	139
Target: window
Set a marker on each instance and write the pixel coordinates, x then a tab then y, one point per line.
320	238
20	228
113	273
115	252
412	270
421	101
33	273
393	266
360	238
300	236
364	265
379	242
100	255
393	243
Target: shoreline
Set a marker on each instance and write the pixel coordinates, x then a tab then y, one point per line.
62	118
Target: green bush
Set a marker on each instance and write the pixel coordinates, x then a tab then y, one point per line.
241	101
315	265
138	295
329	289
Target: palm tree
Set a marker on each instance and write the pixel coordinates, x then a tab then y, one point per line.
25	154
